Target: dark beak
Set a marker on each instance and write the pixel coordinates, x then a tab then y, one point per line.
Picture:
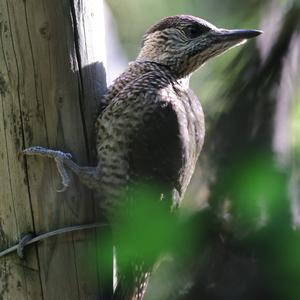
238	34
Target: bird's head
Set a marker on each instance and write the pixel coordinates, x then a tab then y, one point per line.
184	42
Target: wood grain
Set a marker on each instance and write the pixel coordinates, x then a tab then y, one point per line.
50	83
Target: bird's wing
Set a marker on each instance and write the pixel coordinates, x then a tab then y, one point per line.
155	160
156	154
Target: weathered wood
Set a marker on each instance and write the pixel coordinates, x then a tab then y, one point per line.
50	82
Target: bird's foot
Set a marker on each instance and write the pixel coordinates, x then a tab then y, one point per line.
59	157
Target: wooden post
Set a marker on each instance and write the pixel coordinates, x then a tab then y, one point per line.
51	78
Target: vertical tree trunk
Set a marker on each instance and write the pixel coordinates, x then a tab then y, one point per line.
51	76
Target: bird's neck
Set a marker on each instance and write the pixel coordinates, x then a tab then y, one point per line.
170	66
144	66
135	70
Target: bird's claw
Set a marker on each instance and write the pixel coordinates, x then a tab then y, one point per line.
59	158
63	174
37	150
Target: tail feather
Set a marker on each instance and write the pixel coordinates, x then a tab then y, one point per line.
132	284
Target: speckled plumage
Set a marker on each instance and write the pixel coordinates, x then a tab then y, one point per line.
151	129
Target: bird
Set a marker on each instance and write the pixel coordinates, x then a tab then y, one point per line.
151	127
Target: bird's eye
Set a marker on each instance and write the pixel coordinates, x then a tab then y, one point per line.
195	31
